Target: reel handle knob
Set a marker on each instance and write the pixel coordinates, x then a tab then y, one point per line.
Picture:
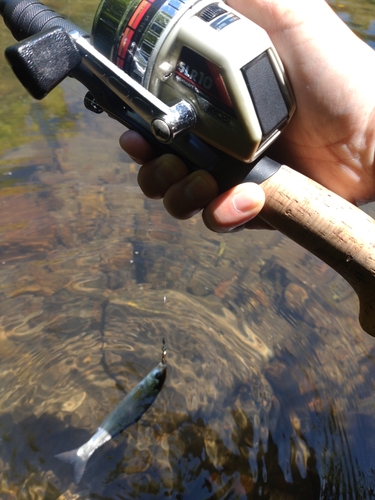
42	61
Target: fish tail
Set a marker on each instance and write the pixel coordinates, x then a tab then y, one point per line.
78	460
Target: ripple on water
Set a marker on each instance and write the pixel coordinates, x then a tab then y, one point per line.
220	425
215	407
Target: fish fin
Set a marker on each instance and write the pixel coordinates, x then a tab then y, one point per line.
79	462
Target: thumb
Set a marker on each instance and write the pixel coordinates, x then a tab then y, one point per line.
234	208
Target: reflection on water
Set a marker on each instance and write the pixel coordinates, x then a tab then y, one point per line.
359	16
270	389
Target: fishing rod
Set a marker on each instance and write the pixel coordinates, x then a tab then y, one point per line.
172	70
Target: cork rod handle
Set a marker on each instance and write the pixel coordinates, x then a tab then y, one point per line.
331	228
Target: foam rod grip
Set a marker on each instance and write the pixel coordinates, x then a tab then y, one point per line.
328	226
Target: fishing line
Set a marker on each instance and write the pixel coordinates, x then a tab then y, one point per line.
104	305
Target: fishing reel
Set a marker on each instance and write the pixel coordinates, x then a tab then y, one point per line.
192	74
206	54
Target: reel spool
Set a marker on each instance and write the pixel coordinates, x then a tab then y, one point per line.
194	50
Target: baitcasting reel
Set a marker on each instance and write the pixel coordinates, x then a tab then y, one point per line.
194	74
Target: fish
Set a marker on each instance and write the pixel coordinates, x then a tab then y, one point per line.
126	413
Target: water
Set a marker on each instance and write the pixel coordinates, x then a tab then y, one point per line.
271	380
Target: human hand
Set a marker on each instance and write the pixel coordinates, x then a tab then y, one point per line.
330	138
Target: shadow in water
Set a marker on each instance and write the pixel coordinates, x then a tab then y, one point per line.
198	465
184	459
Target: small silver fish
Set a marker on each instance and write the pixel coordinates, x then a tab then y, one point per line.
128	411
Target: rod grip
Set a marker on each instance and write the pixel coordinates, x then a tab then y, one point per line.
331	228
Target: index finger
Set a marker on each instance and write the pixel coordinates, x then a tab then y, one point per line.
137	147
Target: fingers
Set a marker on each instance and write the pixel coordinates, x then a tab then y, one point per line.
190	195
235	208
156	176
184	193
167	177
137	147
